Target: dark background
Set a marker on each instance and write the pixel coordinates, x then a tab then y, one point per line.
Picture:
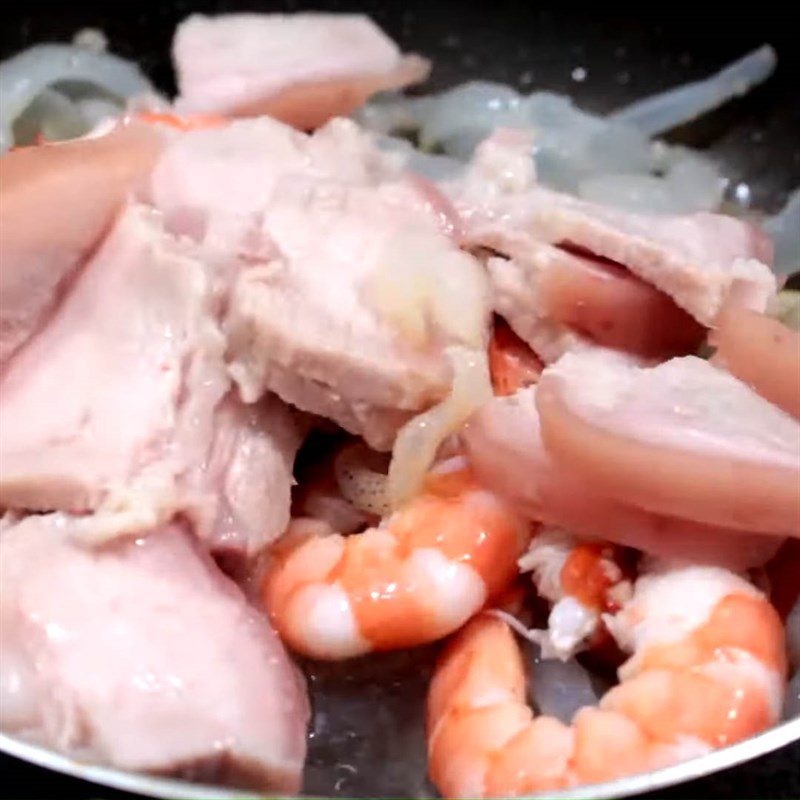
627	51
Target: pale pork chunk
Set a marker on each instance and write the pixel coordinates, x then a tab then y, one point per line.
143	656
557	297
301	325
701	261
313	231
96	399
515	297
76	188
300	68
505	447
247	478
114	406
763	353
682	438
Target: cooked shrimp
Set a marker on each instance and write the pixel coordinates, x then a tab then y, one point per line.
582	579
417	577
512	363
707	669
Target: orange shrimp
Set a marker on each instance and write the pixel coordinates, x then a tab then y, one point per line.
512	364
417	577
707	669
582	579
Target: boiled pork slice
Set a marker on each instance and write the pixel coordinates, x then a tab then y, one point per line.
338	259
504	444
143	656
123	404
763	353
115	397
683	438
559	301
115	406
300	68
46	234
244	487
701	261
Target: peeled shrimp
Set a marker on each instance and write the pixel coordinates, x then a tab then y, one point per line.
763	353
417	577
582	580
707	669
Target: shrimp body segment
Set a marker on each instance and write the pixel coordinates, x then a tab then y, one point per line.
417	577
707	669
582	579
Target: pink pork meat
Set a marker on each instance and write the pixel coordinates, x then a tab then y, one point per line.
143	656
576	273
42	184
247	479
505	447
114	407
302	69
701	261
131	361
682	438
312	230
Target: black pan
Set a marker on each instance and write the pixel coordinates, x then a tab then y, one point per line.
625	52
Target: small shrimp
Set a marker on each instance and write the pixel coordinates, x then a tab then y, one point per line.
583	580
417	577
512	363
707	669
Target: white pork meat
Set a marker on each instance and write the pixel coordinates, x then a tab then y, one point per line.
699	261
43	183
143	656
505	447
348	284
682	438
300	68
113	407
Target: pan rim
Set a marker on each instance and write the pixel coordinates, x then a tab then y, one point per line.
768	741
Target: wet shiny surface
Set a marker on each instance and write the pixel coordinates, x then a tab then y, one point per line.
603	63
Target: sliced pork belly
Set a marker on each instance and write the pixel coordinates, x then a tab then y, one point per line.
763	353
681	438
300	68
505	447
130	364
248	475
116	404
340	259
141	655
700	261
560	301
56	203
